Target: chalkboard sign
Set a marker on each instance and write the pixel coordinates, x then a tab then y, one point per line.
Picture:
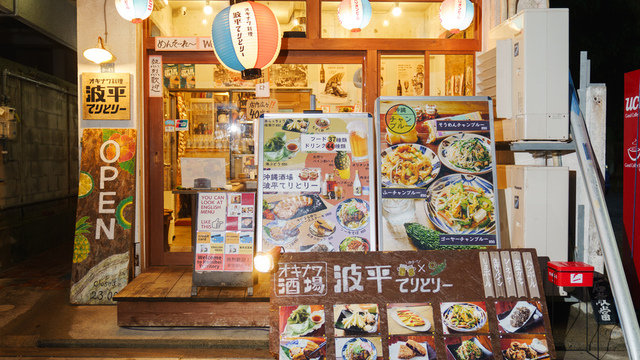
409	304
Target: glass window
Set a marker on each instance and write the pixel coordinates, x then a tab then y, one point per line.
451	75
402	75
187	18
414	20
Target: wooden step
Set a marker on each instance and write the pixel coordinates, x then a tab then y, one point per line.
161	296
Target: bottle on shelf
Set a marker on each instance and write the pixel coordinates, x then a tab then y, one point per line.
323	187
357	185
399	88
331	187
321	74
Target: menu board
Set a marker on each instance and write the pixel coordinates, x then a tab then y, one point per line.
225	232
314	186
420	305
436	165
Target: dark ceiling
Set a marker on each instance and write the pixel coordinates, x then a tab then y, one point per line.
27	46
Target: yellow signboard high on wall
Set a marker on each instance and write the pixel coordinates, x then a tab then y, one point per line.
106	96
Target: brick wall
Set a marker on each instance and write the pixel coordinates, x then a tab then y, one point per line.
40	169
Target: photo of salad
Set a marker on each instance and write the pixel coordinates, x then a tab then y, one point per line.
409	165
466	153
354	243
353	214
461	204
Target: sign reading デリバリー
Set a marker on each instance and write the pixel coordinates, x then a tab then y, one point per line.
106	96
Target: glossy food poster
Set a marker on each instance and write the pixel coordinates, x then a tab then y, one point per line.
436	165
315	189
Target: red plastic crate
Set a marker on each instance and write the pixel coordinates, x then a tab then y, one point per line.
570	273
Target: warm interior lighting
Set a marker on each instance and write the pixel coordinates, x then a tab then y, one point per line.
207	8
295	22
99	54
396	10
385	23
265	261
204	21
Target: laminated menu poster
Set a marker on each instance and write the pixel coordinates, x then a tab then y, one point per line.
436	165
225	232
314	184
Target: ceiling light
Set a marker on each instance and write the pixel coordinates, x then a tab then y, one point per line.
204	21
396	10
99	54
207	8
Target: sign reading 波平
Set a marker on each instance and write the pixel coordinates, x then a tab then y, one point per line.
105	215
106	96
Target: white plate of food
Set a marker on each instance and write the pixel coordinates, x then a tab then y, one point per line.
464	317
302	322
469	350
410	349
353	214
281	232
300	349
322	228
520	350
359	349
466	153
408	165
410	319
447	198
519	316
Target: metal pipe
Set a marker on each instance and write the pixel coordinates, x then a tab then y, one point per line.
6	73
615	270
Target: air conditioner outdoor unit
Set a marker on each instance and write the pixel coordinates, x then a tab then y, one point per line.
532	74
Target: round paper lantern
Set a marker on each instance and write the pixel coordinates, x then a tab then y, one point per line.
354	14
246	38
134	10
456	15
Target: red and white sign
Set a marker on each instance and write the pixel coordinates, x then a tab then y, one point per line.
630	168
570	273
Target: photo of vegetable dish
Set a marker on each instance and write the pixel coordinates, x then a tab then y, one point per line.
461	204
469	350
302	321
464	317
359	349
466	153
353	214
409	165
354	243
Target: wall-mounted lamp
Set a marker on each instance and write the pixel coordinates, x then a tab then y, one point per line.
207	8
396	11
99	54
266	261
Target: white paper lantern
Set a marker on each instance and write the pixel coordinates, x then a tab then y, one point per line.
134	10
456	15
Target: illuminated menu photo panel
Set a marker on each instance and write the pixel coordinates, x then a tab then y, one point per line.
437	187
314	183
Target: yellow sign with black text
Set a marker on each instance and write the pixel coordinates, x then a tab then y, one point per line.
106	96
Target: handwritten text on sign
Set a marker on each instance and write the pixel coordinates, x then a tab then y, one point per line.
180	43
257	107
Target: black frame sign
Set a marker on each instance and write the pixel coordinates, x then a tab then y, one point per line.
410	305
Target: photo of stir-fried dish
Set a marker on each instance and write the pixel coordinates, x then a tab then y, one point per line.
353	214
469	350
464	317
466	153
409	165
462	204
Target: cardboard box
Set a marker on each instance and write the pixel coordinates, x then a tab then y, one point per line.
570	273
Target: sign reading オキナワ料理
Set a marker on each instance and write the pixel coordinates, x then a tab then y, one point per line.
436	165
410	304
106	96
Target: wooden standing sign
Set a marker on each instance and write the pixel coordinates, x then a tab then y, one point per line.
409	304
105	215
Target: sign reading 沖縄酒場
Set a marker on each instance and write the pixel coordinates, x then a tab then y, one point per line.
105	215
106	96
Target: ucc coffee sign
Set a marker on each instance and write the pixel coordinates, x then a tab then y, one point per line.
401	305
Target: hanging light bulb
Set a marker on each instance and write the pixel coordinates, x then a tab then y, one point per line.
99	54
385	23
207	8
396	10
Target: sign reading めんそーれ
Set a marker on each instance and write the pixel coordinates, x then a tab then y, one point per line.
410	304
105	215
106	96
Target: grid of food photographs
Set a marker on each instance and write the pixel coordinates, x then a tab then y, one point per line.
408	331
437	173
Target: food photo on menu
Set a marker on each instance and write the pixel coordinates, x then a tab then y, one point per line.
436	174
469	347
464	317
358	348
304	348
524	347
412	347
302	320
316	194
409	318
356	319
520	317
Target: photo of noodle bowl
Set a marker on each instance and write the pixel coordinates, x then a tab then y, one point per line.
466	153
353	214
461	204
409	165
